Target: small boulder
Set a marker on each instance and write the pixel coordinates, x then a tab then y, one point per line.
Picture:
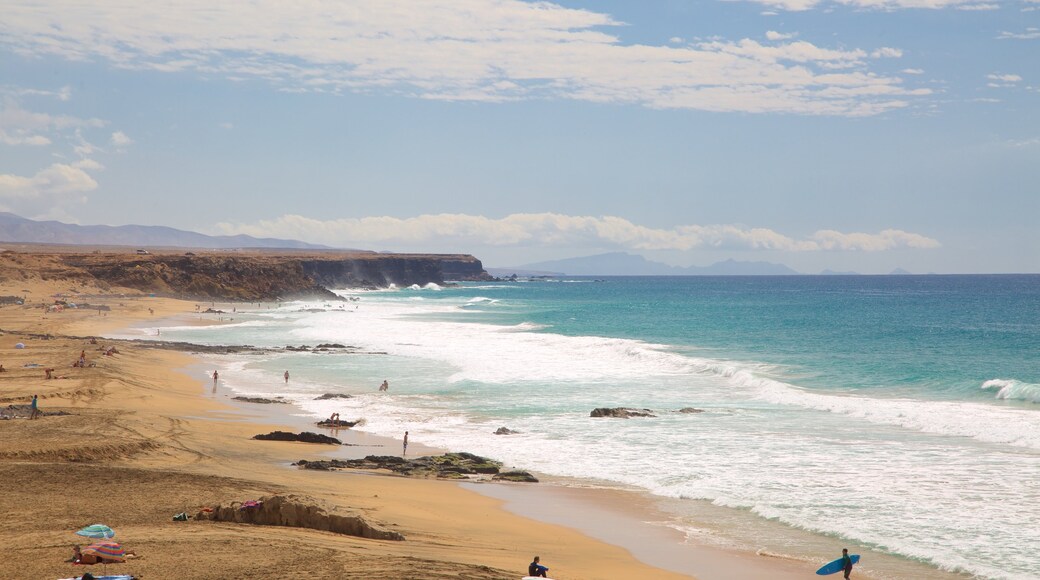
520	476
505	431
328	396
690	410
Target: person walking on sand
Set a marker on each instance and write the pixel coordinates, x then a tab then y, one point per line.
216	376
535	569
404	451
846	562
34	408
286	375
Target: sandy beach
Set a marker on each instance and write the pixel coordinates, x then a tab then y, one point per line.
145	437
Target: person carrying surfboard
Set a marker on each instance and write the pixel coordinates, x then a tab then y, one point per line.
846	562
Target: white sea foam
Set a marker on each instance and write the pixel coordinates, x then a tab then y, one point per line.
847	465
1014	390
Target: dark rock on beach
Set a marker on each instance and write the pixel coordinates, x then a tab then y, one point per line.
519	476
305	437
621	412
328	396
447	466
260	400
331	345
339	424
505	431
690	410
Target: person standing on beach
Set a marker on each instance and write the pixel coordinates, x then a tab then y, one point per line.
34	409
215	377
403	451
286	377
846	562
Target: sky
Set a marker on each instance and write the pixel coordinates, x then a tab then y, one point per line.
850	135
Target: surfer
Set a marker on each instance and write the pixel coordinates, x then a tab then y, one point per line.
846	562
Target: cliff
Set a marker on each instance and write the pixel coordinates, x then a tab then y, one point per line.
245	276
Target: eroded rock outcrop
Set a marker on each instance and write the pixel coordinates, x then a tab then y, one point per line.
338	423
621	412
260	400
447	466
297	511
305	437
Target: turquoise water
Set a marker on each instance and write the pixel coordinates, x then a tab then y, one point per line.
896	413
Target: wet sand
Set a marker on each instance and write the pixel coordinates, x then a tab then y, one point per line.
147	438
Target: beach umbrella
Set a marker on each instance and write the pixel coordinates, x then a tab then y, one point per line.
97	531
111	552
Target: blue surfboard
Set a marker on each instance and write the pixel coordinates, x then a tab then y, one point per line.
835	566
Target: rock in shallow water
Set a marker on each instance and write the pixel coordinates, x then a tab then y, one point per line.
621	412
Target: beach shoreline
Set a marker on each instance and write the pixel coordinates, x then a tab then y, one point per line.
168	448
583	511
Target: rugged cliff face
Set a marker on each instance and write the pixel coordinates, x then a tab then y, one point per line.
381	270
243	275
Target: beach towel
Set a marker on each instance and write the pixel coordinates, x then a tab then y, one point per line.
110	577
250	503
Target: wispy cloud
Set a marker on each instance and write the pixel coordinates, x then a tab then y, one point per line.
799	5
1002	80
1031	33
475	50
549	229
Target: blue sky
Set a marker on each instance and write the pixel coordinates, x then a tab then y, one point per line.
845	134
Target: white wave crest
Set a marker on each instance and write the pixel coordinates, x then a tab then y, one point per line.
1010	389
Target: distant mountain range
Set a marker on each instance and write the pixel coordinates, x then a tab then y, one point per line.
15	228
625	264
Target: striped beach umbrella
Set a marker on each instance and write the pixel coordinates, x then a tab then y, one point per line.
110	551
97	531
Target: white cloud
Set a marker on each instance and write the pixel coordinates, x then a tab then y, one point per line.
47	193
1031	33
549	229
22	138
887	52
19	126
1005	78
799	5
226	125
120	139
774	35
478	50
912	71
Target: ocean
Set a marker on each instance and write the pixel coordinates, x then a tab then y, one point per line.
898	414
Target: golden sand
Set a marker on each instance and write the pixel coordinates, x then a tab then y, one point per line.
144	440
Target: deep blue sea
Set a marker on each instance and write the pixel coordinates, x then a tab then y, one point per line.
895	413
